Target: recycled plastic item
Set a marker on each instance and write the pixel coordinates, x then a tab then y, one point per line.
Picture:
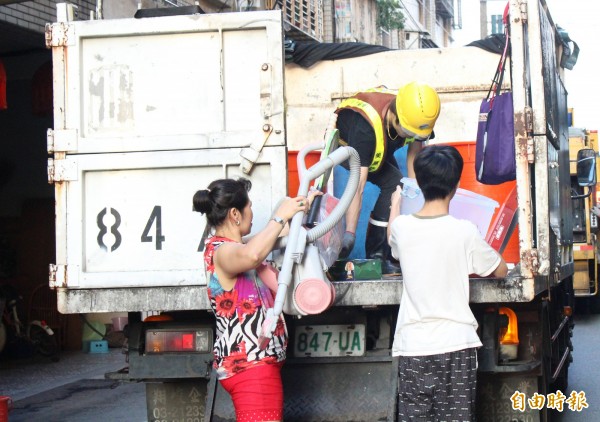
313	296
301	261
330	243
465	205
356	269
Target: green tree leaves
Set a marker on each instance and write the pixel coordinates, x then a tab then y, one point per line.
389	15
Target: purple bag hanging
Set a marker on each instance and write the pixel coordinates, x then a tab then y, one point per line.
495	147
495	161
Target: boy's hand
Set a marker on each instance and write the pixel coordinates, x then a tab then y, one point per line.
396	198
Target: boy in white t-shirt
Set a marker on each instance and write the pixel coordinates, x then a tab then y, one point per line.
436	338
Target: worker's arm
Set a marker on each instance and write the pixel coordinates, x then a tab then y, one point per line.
352	214
413	148
353	211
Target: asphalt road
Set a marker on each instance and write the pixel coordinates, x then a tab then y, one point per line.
584	372
71	390
74	390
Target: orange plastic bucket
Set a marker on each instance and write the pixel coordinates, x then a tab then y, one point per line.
5	406
293	177
499	193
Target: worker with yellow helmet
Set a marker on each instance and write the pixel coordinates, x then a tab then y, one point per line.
376	123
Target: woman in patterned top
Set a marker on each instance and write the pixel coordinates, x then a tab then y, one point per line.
239	298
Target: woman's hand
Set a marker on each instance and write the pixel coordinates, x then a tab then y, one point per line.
290	206
312	194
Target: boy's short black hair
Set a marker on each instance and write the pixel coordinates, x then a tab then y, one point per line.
438	169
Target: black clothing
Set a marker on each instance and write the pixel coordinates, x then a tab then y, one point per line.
358	133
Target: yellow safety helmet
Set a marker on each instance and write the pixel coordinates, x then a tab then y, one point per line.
418	107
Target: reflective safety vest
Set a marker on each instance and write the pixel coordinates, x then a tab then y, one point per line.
372	104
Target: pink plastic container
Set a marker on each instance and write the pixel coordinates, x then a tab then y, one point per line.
313	296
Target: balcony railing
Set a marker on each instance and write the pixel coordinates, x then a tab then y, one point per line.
305	18
445	8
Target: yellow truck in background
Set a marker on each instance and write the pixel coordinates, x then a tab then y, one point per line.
585	227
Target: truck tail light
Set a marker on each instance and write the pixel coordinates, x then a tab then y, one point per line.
196	340
509	335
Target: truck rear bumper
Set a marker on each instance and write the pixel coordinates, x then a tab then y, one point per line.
348	293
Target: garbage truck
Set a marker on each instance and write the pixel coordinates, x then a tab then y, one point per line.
147	111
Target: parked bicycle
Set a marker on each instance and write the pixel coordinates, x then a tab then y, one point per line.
23	339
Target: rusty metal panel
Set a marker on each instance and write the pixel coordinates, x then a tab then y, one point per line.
523	146
541	139
509	290
137	299
553	206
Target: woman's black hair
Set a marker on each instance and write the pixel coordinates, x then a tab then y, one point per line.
220	196
438	169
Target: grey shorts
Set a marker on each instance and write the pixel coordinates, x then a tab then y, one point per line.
438	388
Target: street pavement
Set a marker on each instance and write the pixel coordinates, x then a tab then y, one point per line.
584	372
75	389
